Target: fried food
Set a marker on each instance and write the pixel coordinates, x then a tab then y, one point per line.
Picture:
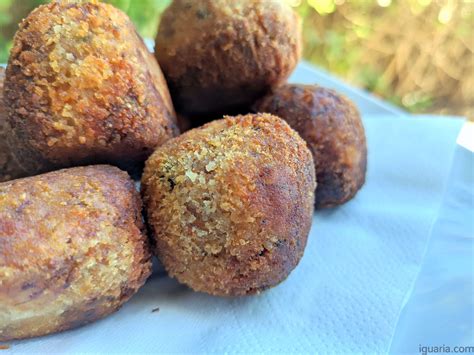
219	56
72	249
9	167
230	204
82	88
331	125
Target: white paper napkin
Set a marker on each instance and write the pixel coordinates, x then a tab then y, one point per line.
440	312
344	297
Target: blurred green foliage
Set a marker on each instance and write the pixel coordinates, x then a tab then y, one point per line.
354	39
144	13
417	54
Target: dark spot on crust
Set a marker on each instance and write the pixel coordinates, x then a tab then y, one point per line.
202	14
35	294
263	252
334	187
27	285
172	184
22	206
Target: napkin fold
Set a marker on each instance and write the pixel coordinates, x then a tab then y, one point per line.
440	311
345	296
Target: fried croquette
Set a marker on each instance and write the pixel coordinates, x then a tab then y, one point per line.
9	167
331	125
219	56
72	249
230	204
82	88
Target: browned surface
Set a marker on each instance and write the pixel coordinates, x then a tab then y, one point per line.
331	125
72	249
82	88
9	167
220	55
230	204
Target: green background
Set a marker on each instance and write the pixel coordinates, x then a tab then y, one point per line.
417	54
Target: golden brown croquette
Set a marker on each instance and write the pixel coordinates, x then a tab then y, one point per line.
331	125
219	56
82	88
72	249
9	167
230	204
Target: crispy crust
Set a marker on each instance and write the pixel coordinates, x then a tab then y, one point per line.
82	88
230	204
330	123
219	56
9	167
72	249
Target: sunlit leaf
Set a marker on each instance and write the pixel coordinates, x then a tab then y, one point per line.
323	7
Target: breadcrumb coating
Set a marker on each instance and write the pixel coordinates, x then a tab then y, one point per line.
230	204
331	125
82	88
219	56
72	249
9	167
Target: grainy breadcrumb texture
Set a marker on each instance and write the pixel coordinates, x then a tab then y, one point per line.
230	204
219	56
9	167
72	249
331	125
82	88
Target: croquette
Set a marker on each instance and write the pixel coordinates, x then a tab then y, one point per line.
82	88
331	125
9	167
230	204
72	249
219	56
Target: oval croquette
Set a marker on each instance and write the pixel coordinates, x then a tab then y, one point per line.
219	56
230	204
72	249
331	125
82	88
